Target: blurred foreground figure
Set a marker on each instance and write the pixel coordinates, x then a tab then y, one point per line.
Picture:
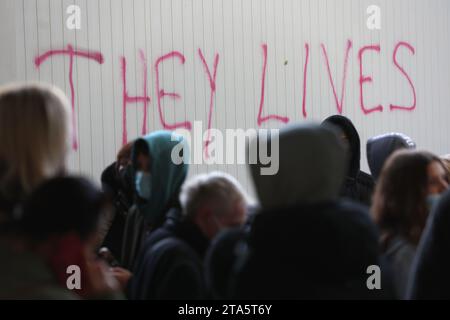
305	243
60	224
34	144
430	278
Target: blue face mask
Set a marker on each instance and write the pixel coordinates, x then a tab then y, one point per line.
143	183
432	199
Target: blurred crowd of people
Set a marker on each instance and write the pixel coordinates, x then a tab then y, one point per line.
151	233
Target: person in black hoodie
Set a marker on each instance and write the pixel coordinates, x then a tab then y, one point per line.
170	265
430	278
305	243
379	149
117	183
358	185
116	179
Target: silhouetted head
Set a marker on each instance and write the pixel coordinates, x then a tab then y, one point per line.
312	165
349	135
379	149
61	206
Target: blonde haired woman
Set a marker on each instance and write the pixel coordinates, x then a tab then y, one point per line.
34	140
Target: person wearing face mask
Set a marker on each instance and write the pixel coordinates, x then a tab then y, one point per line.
34	147
409	185
158	178
171	263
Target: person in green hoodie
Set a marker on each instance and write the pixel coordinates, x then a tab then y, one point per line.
159	173
158	169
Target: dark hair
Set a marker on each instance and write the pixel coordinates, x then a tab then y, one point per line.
346	126
63	205
140	146
399	203
125	151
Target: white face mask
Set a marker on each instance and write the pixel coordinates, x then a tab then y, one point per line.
143	184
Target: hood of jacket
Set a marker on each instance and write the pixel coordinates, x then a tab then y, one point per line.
379	149
348	129
311	166
166	175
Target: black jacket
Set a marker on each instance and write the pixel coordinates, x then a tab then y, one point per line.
358	185
118	184
430	278
222	255
317	251
118	187
221	260
170	264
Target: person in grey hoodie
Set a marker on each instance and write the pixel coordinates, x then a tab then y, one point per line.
305	242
